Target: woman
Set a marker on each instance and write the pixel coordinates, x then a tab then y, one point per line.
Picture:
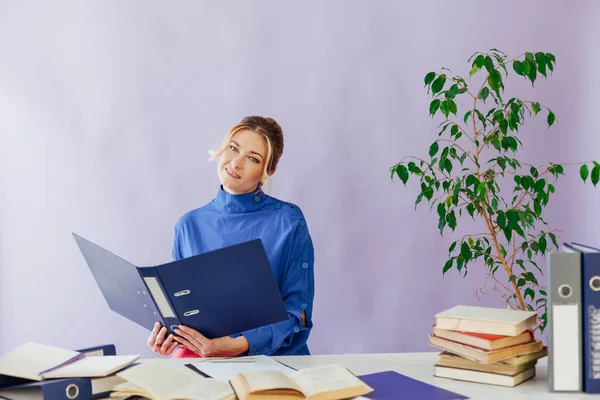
241	211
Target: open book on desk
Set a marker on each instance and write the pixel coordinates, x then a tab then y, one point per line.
161	379
164	380
218	293
36	362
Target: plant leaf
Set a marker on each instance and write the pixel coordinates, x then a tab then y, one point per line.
584	172
434	106
551	118
402	173
595	175
438	84
433	149
429	78
484	93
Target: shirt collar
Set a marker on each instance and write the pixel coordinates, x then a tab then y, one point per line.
239	203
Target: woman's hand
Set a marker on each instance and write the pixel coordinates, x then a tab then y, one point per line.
220	347
159	344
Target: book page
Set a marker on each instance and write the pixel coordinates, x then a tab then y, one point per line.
205	389
225	370
92	367
500	315
266	380
325	379
31	359
161	378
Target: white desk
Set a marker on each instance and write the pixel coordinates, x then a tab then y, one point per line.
420	366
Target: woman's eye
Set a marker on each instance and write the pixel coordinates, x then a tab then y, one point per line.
233	148
254	160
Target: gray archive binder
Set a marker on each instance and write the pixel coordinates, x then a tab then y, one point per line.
565	368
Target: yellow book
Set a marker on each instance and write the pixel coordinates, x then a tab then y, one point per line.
484	356
484	377
454	361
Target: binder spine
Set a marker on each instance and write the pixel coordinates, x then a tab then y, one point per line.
162	301
591	322
564	323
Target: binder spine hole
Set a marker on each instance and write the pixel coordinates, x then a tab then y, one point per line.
72	391
564	291
191	312
595	283
182	293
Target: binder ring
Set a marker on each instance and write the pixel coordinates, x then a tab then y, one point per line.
191	312
182	293
564	291
595	283
72	391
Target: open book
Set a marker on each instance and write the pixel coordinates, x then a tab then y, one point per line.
36	362
329	382
165	380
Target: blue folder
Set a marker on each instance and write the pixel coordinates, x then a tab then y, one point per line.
390	385
590	296
55	389
218	293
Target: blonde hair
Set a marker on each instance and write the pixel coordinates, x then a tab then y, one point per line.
269	129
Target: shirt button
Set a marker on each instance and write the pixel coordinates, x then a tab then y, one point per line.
302	223
277	206
296	329
257	353
304	265
303	306
257	198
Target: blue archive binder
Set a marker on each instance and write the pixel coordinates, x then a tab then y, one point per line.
218	293
53	389
590	290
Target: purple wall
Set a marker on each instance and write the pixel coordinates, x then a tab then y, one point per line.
107	110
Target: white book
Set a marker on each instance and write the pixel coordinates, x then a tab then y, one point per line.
495	321
38	361
31	360
92	367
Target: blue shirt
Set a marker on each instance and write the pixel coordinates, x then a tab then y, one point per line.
231	219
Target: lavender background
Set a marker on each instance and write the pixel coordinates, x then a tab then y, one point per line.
107	110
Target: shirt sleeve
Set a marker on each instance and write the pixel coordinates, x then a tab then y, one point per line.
176	252
297	290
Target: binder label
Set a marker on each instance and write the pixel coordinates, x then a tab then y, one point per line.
159	297
565	334
594	336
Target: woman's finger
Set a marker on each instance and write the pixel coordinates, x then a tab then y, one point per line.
196	344
197	336
159	339
186	343
172	348
152	337
166	344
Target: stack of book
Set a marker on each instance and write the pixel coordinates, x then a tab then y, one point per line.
486	345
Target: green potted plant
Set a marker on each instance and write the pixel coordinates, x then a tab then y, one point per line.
470	165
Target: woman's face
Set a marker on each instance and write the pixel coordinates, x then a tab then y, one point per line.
241	164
